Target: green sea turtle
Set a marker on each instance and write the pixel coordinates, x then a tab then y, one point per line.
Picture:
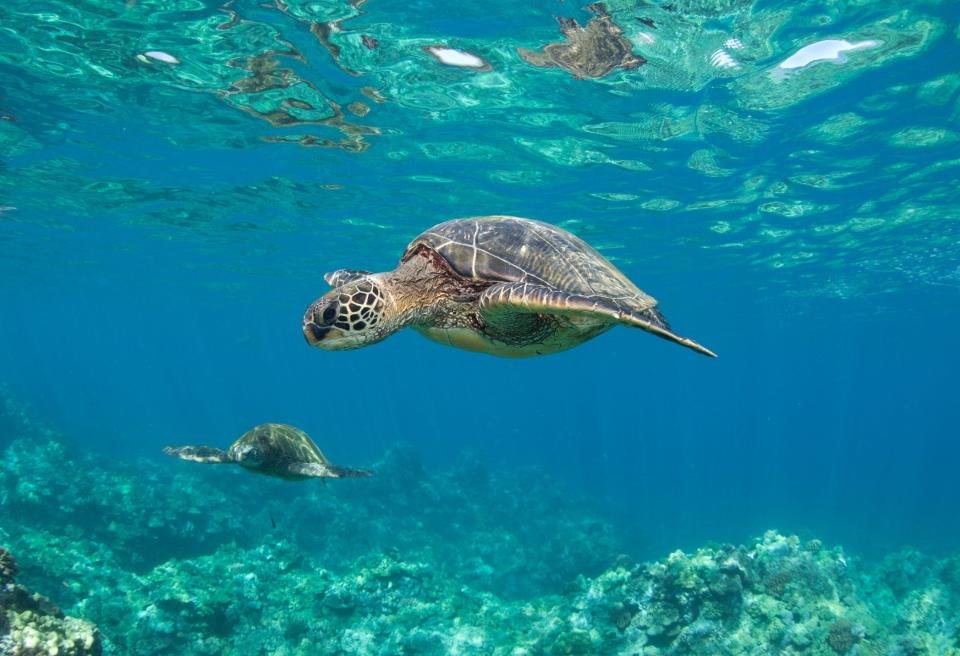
273	449
591	51
497	284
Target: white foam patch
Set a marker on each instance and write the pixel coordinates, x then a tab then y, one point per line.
452	57
829	49
160	55
722	59
646	38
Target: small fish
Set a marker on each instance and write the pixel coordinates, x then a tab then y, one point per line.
273	522
370	42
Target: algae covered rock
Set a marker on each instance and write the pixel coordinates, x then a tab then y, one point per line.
32	634
30	625
778	595
8	566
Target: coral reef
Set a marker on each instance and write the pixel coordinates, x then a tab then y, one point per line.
715	600
176	560
17	420
31	625
518	534
8	567
777	595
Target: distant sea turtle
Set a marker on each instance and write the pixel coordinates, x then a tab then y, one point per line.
273	449
496	284
591	51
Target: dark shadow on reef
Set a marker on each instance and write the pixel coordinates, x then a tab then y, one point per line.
167	558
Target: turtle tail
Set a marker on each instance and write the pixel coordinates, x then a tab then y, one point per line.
653	322
347	472
654	316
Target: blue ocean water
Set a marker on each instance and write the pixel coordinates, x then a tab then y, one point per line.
166	219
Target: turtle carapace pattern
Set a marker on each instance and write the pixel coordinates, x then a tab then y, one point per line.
277	450
501	285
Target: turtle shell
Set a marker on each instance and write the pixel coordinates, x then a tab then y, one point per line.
511	249
283	442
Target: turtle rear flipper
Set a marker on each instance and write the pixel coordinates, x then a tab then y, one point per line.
204	454
501	303
318	470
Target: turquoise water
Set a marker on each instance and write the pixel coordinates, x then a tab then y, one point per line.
176	177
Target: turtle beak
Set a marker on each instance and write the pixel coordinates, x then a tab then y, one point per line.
313	333
318	320
325	325
329	338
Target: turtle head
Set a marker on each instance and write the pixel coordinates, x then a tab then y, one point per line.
250	456
350	316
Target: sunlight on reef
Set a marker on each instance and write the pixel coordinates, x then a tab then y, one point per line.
466	561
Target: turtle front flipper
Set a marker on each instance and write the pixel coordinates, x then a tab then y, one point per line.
504	304
317	470
343	276
204	454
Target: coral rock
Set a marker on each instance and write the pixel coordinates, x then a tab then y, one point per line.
32	626
8	566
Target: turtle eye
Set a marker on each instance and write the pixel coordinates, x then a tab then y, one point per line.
329	314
